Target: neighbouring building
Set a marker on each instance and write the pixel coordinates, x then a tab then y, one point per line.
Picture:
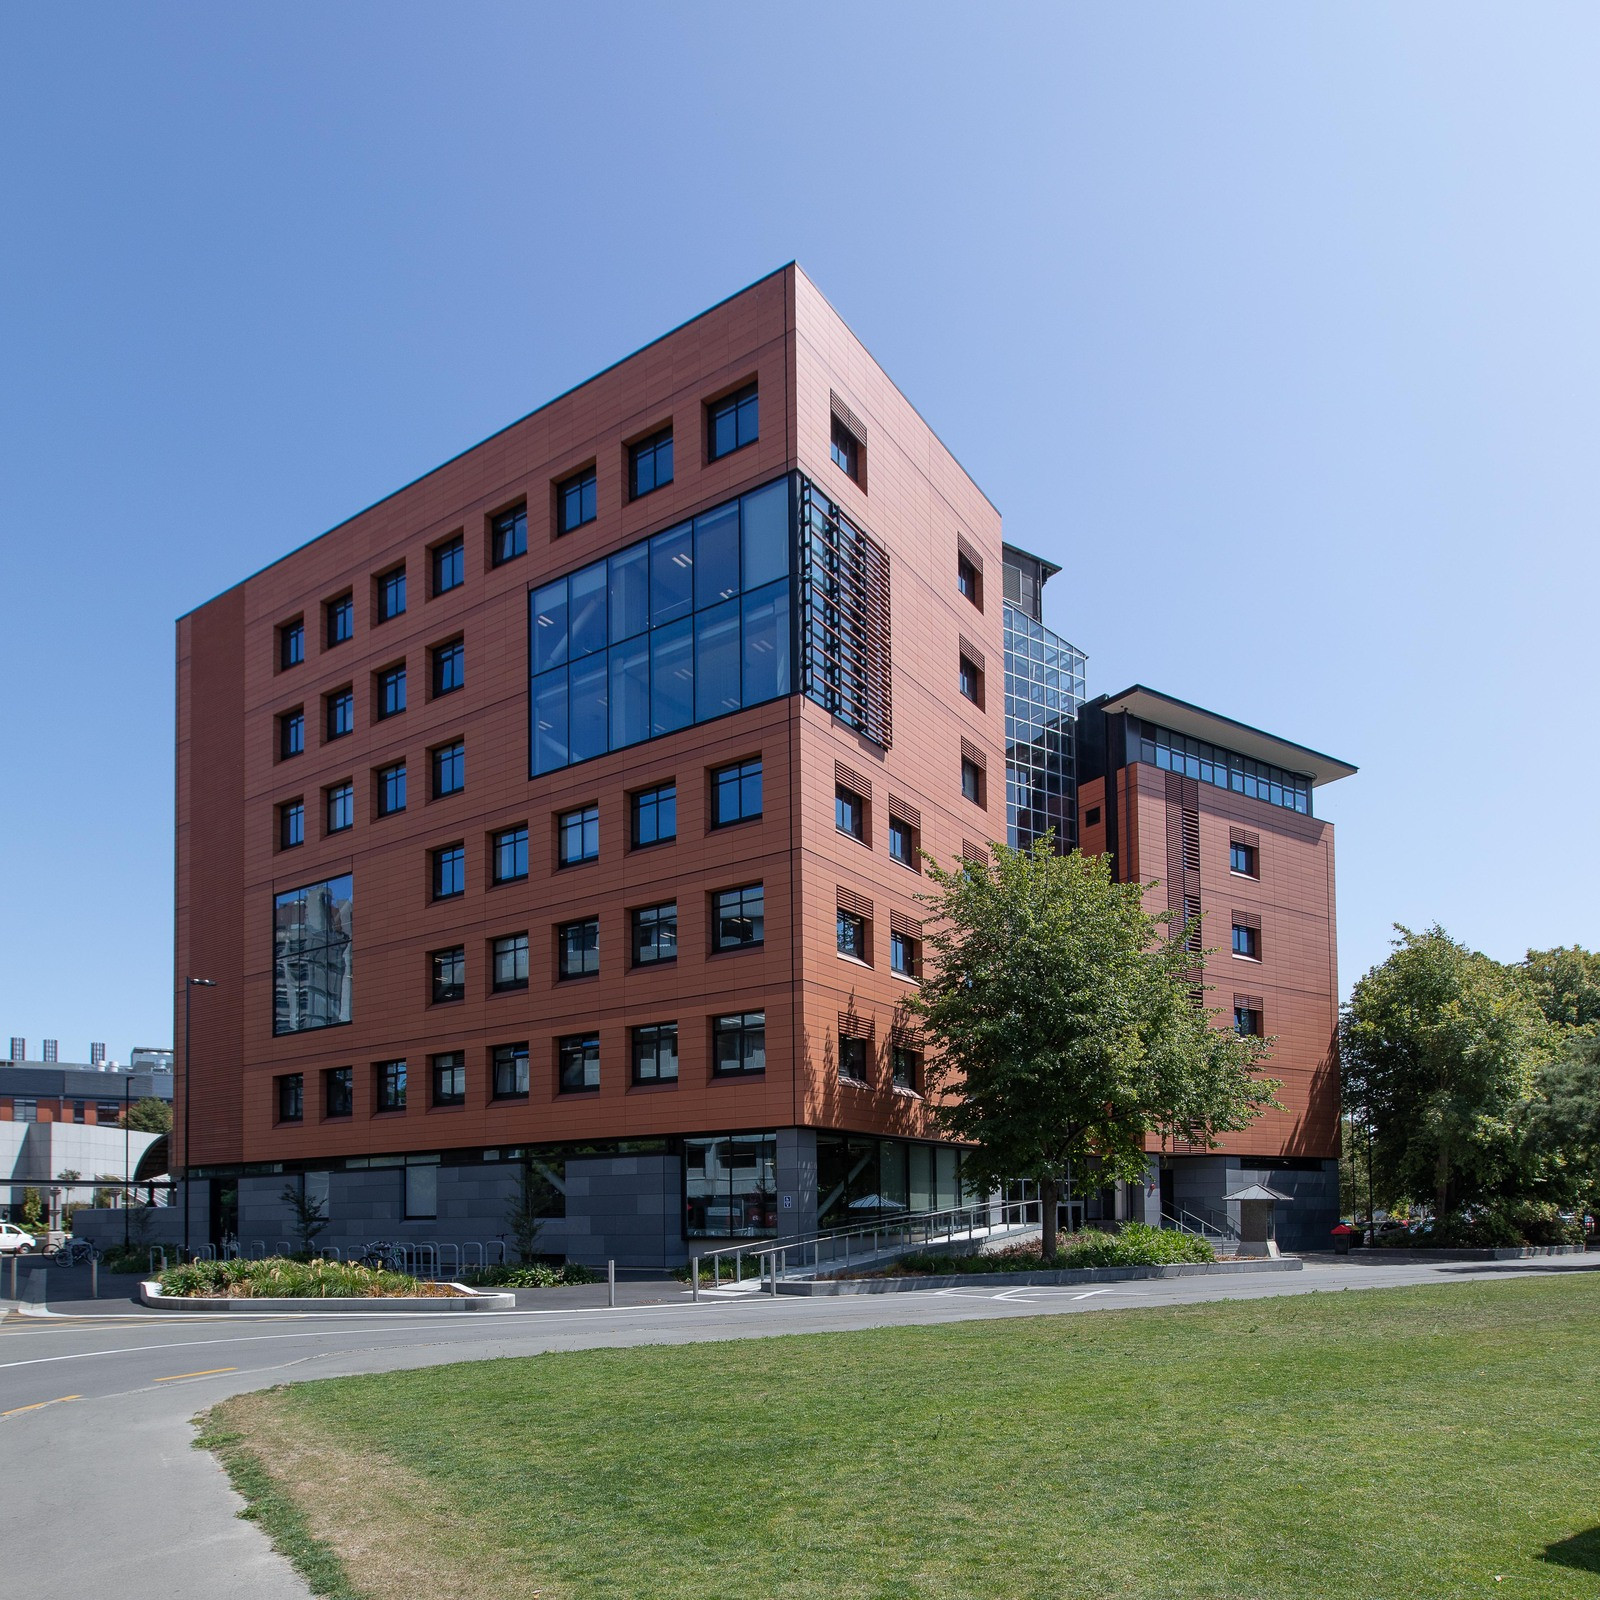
558	818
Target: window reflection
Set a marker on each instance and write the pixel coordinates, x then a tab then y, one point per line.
731	1186
312	957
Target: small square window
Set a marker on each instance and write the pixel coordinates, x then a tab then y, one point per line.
738	918
508	535
576	501
655	815
292	1097
389	1082
1247	941
735	793
849	813
852	1059
449	667
1242	859
905	955
971	781
733	422
510	1068
449	872
449	769
655	1053
391	594
340	713
650	464
739	1044
341	807
448	974
292	643
450	1079
969	581
970	681
845	449
340	615
578	1063
509	963
578	836
655	934
1247	1022
903	844
391	691
449	565
510	848
850	935
1091	817
578	948
291	824
391	789
907	1068
339	1094
291	733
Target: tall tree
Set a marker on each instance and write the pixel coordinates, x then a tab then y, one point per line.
1440	1046
150	1115
1566	983
1062	1025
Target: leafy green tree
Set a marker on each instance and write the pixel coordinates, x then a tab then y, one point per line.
1062	1026
1566	984
1440	1045
150	1115
309	1214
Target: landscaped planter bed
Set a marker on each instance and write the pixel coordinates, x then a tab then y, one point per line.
999	1281
460	1299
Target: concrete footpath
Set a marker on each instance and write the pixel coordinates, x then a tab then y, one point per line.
102	1393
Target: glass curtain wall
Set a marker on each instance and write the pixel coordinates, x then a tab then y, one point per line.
862	1179
1044	689
312	956
730	1186
1227	769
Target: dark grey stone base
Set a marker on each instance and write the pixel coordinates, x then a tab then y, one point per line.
1018	1280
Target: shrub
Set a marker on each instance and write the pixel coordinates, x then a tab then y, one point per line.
131	1258
1136	1245
1503	1224
534	1275
278	1278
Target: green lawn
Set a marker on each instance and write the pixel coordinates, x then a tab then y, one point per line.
1383	1445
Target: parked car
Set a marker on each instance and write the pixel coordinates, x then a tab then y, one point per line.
14	1240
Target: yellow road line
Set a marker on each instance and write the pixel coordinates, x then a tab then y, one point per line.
208	1373
39	1405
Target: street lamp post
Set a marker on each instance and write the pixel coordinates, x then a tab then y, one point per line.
189	987
127	1170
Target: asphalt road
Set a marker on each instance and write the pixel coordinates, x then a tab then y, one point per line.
105	1496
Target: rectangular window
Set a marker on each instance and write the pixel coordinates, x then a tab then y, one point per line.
291	733
107	1112
422	1190
576	501
449	565
340	615
1247	941
655	815
738	918
24	1108
650	464
510	855
1247	1021
971	781
655	1053
578	948
391	698
292	643
907	1067
389	1081
845	449
311	956
967	580
578	836
449	667
391	594
448	973
449	872
735	793
850	935
510	1064
739	1043
292	1097
578	1063
450	1079
969	679
733	422
852	1059
341	807
77	1111
849	813
391	788
903	843
1242	859
291	824
509	963
449	769
508	535
655	934
339	1096
905	955
340	708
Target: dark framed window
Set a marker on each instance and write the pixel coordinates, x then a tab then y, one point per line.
449	769
338	1091
1242	859
449	565
508	965
905	954
340	709
849	813
903	844
510	1070
650	464
578	836
733	422
341	807
292	643
391	594
449	667
391	697
852	1059
421	1188
850	935
107	1112
578	1063
448	973
1247	941
508	535
311	956
577	501
510	855
291	733
78	1112
967	580
739	1043
655	815
655	1053
845	449
578	948
735	793
655	934
24	1108
1247	1022
449	872
292	1097
906	1067
971	781
291	824
738	918
340	616
970	680
389	1082
450	1079
391	785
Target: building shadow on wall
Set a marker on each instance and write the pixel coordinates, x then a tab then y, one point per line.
1581	1552
841	1103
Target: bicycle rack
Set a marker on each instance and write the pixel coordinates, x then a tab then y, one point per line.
205	1252
330	1252
454	1270
283	1247
257	1250
156	1250
483	1255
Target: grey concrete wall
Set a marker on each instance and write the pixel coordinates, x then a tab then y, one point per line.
1302	1222
797	1183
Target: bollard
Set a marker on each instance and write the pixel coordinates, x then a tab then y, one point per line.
774	1277
694	1275
14	1255
94	1277
611	1283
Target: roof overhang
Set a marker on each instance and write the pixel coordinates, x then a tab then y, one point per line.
1198	723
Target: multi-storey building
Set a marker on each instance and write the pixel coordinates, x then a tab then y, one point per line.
560	817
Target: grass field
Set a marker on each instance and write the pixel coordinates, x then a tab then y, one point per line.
1379	1445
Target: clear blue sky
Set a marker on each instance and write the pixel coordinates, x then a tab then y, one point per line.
1275	326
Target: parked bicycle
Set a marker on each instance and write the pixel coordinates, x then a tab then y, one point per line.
74	1253
383	1254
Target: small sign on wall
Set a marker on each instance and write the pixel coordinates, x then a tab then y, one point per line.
788	1202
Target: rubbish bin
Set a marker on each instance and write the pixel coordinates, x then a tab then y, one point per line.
1343	1236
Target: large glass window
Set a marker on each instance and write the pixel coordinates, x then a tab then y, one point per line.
579	836
730	1186
650	463
736	793
655	815
655	1053
860	1179
680	628
449	973
510	1068
449	566
1194	758
734	421
576	501
510	855
508	535
578	948
578	1063
1044	681
655	934
509	963
450	1079
311	956
449	769
738	918
739	1043
389	1082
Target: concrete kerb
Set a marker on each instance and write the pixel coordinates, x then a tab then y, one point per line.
1403	1255
464	1299
1019	1280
